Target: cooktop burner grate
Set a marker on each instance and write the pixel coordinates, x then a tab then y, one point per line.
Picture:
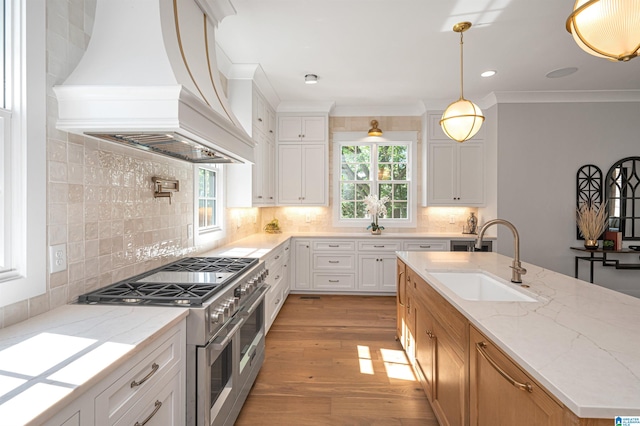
211	264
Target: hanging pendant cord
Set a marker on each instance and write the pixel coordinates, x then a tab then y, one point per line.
461	67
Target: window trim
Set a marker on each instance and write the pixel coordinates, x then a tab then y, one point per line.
411	137
26	96
209	235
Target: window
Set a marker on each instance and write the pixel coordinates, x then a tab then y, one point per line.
377	166
207	199
209	208
23	151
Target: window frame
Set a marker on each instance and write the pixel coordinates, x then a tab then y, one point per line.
210	234
24	151
391	137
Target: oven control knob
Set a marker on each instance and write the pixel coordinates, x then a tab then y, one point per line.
217	316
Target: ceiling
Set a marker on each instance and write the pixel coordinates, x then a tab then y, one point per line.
370	53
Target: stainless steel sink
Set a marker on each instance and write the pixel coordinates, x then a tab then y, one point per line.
481	286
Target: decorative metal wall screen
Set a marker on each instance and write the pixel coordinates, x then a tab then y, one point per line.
588	188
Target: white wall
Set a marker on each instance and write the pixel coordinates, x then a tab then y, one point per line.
540	147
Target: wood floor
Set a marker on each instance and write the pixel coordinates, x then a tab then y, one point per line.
333	360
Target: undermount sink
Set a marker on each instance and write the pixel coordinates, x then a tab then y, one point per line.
480	286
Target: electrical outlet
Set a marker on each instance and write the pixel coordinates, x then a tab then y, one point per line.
308	218
190	230
452	219
57	258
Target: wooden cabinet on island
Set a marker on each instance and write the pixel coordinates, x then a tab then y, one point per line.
467	377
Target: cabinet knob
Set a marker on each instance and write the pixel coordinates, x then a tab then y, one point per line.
271	198
259	196
260	120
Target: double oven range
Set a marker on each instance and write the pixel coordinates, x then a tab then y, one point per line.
225	326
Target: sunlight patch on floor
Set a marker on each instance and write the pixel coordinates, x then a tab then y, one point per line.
364	356
396	365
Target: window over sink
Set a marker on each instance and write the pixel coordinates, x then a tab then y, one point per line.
383	166
209	212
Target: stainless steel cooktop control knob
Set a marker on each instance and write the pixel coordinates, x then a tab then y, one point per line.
217	316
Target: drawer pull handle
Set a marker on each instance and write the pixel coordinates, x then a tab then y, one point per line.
430	334
334	245
154	368
334	261
334	281
425	246
379	246
277	278
158	404
522	386
277	302
277	257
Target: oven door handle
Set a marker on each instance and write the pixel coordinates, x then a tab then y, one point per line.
237	323
259	298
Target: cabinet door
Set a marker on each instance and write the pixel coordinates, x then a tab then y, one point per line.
387	273
471	174
268	172
289	129
441	182
449	380
314	129
270	129
369	270
314	175
302	266
257	181
289	174
496	401
425	350
401	295
259	112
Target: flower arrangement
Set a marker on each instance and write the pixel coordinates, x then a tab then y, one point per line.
376	208
592	222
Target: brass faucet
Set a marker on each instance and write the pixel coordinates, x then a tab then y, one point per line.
516	268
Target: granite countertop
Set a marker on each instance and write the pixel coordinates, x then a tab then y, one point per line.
579	340
44	360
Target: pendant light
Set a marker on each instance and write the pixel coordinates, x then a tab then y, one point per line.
607	28
462	119
374	131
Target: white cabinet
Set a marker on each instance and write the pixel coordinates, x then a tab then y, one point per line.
250	185
302	129
454	175
426	245
149	386
377	272
301	271
302	174
278	279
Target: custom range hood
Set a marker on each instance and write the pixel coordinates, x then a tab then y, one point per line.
149	80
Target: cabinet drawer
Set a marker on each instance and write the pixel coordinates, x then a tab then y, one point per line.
387	246
144	376
334	245
334	281
328	261
426	245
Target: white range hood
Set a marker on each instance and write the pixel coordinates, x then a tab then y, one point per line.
149	79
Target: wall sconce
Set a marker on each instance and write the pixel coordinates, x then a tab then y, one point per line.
374	131
462	119
606	28
164	188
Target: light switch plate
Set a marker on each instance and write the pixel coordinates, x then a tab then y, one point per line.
57	258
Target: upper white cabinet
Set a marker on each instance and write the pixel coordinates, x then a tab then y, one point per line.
253	185
302	174
302	160
302	129
455	171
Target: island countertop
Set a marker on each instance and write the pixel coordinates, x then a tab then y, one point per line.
579	340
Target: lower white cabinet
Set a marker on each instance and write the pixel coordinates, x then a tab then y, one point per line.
278	280
355	265
150	386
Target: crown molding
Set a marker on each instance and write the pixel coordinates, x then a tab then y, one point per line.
301	107
562	96
416	109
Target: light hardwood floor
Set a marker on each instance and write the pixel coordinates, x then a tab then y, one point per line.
334	360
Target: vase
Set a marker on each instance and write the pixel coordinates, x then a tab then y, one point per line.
591	244
376	232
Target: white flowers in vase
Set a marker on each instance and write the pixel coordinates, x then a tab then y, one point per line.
375	209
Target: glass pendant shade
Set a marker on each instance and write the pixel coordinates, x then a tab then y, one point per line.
607	28
462	120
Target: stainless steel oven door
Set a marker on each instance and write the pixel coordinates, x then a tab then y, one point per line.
252	335
217	376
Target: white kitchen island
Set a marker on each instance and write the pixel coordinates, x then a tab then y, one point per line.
580	341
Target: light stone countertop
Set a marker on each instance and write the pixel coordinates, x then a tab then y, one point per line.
580	341
34	383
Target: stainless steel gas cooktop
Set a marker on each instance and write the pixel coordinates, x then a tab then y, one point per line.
186	282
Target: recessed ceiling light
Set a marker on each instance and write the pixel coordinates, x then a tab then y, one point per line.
561	72
489	73
310	79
